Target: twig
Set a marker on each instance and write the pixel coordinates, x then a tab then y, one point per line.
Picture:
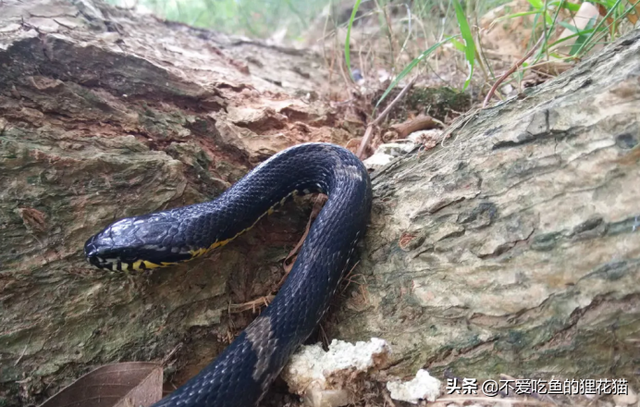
24	351
365	141
511	70
252	305
21	355
288	262
393	103
387	398
165	360
367	134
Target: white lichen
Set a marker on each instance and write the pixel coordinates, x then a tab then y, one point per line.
387	152
377	161
422	387
322	377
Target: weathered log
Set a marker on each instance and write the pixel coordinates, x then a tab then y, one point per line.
512	248
104	114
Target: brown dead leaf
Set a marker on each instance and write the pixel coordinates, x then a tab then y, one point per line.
118	385
633	17
33	219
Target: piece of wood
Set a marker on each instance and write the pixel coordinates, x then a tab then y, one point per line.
514	246
422	122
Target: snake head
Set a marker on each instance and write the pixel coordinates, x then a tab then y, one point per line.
101	253
137	243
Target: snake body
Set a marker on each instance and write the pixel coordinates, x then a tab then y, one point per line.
242	373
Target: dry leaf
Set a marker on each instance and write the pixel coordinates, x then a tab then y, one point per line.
33	219
118	385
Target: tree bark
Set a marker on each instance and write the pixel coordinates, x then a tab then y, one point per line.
105	114
513	248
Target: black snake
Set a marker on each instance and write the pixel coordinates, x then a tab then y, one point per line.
242	373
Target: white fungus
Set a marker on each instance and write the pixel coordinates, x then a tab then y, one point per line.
321	377
422	387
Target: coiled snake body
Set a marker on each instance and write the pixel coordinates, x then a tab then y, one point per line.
242	373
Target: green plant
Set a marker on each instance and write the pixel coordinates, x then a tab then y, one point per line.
255	18
547	14
347	48
469	46
410	67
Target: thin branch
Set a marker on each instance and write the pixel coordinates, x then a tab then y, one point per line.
369	131
511	70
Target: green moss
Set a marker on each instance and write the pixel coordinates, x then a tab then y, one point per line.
438	102
33	180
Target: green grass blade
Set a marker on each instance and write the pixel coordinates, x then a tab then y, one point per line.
566	5
568	37
514	15
410	67
470	45
569	27
584	34
597	28
347	55
536	3
459	46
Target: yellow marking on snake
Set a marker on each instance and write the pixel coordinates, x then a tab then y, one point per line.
147	265
219	243
195	253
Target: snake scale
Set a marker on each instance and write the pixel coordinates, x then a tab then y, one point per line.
242	373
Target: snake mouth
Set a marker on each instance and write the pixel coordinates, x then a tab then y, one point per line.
100	258
113	264
104	263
